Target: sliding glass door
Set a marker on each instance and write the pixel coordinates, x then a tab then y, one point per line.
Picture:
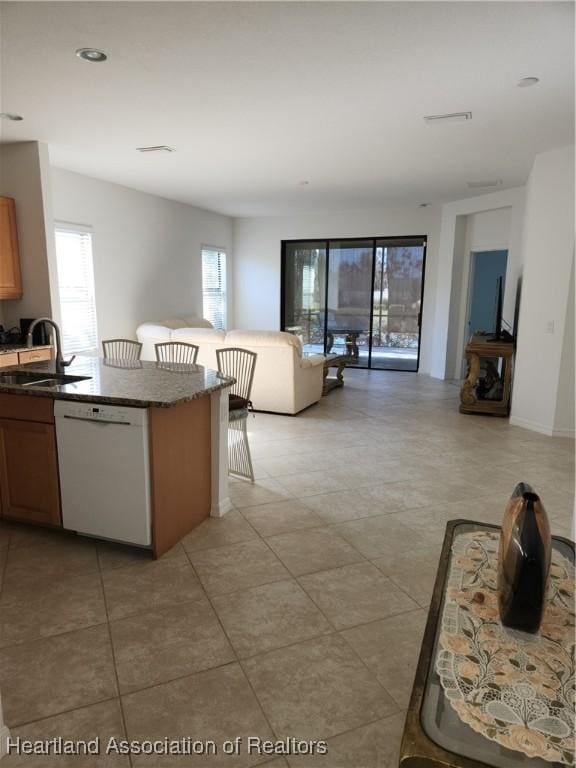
360	298
397	309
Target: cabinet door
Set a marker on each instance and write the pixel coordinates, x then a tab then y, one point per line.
10	279
29	485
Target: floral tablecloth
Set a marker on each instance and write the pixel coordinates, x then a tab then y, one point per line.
513	688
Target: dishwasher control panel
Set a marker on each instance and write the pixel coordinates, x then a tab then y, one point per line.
118	414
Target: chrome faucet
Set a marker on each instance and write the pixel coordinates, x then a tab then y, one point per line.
61	364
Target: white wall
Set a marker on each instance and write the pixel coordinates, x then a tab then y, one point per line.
447	332
25	176
257	243
483	231
543	392
146	250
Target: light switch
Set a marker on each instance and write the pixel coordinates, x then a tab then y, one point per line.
550	326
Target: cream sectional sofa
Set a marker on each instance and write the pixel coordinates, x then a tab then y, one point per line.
284	380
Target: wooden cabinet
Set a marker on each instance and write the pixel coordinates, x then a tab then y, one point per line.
29	485
21	357
9	358
35	355
10	277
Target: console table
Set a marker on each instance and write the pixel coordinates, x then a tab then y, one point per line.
435	734
488	383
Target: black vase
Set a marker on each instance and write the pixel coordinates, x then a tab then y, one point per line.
523	561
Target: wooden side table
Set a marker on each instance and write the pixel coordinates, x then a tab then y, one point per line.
488	383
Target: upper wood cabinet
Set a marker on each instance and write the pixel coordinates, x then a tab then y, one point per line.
10	278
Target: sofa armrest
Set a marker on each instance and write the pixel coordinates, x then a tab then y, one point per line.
311	361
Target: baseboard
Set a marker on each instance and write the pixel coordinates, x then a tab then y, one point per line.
4	734
535	426
220	508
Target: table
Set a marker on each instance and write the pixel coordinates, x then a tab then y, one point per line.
338	362
350	340
434	735
486	389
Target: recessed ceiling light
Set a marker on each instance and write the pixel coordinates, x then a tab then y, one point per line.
526	82
11	116
485	184
158	148
450	117
93	55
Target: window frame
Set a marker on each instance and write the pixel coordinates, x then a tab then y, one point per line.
67	227
223	293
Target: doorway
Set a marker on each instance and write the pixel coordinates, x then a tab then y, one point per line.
356	297
486	269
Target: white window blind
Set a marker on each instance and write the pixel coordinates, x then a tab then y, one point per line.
214	286
76	286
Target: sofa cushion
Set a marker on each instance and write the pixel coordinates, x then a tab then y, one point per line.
195	322
263	339
198	335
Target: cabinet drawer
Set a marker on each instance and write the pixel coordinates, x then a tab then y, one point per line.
35	355
9	359
27	408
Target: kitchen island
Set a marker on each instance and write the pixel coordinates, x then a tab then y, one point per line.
128	451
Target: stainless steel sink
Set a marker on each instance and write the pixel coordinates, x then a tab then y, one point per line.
29	379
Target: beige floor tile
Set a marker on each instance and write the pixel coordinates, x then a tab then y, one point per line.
372	746
3	558
341	506
313	550
217	704
239	566
281	517
28	535
48	676
60	556
5	533
269	616
391	648
218	532
316	689
167	643
265	491
310	483
148	585
355	594
111	555
415	573
100	721
50	607
379	536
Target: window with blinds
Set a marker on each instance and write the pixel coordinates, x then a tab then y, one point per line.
76	287
214	286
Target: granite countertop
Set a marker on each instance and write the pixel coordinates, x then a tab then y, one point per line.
121	382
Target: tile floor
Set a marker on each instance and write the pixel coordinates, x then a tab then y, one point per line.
298	614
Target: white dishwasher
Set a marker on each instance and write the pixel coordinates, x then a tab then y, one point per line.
103	455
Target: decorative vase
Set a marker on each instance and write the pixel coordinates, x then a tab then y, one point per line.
523	560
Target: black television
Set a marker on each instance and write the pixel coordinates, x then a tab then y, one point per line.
500	334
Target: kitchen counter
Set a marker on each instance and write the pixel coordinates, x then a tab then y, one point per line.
121	382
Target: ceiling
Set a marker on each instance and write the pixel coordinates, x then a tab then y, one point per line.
257	97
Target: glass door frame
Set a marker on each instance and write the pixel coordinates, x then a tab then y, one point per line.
324	242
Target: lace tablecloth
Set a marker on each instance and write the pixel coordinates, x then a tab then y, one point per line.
513	688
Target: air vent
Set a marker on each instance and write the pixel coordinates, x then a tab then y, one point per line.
452	117
159	148
488	184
